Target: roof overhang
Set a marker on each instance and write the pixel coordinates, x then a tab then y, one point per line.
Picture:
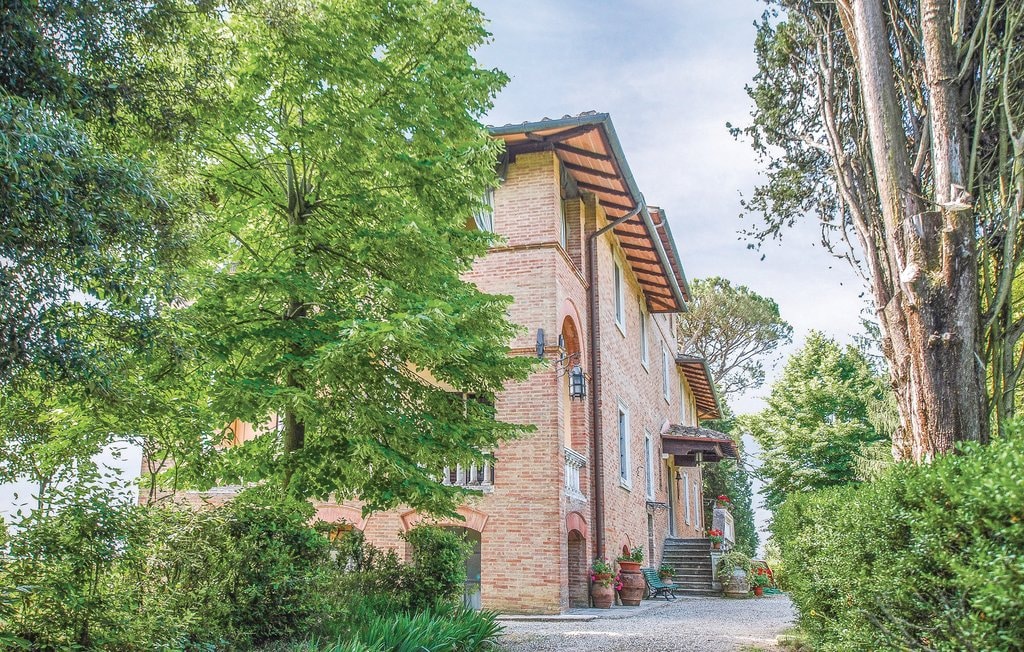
692	445
590	151
698	377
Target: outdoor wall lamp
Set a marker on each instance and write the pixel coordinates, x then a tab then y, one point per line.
577	383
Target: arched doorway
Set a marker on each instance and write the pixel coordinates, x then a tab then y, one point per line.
471	595
578	576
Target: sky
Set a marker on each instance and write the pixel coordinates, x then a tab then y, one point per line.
671	75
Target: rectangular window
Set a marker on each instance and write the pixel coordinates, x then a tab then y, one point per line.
563	229
664	373
682	403
643	337
620	303
483	217
686	495
649	464
624	476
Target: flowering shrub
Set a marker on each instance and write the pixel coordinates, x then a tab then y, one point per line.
760	576
601	573
716	536
723	500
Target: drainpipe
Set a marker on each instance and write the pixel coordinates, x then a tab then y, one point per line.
595	373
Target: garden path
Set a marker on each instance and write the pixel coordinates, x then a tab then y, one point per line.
705	624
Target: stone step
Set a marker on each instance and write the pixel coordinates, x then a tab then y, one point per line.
692	570
694	593
690	567
689	561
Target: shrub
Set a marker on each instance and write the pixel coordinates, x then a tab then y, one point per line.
445	631
275	586
925	557
95	574
438	567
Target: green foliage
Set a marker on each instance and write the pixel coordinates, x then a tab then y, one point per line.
438	567
734	329
444	631
97	102
102	575
278	562
924	558
343	172
732	561
817	421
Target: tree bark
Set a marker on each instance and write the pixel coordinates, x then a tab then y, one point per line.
929	313
294	435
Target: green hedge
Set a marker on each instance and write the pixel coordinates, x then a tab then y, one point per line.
99	576
928	557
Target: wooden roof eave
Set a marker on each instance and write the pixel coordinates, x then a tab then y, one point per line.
552	135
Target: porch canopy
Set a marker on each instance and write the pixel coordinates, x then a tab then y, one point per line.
687	443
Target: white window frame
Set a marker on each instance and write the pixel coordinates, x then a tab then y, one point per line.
484	216
625	463
618	284
644	337
649	464
665	388
686	494
682	402
563	228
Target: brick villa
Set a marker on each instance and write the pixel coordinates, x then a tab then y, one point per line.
597	283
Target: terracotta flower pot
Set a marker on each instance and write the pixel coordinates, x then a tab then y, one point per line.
633	585
758	591
602	591
716	545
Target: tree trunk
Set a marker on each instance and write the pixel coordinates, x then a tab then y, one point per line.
294	436
929	313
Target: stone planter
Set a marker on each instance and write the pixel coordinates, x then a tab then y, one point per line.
633	585
737	586
602	595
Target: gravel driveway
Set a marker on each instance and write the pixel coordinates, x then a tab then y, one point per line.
706	624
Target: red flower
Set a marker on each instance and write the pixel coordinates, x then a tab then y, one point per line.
723	499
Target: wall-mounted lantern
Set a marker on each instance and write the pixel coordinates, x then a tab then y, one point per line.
577	383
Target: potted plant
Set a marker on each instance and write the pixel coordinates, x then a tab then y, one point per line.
602	584
633	585
666	572
733	569
630	560
716	538
723	501
759	579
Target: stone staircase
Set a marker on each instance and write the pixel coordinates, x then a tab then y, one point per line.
691	559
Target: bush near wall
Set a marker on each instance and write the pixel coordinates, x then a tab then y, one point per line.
925	558
99	576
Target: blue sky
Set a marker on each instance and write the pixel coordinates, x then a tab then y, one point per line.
671	74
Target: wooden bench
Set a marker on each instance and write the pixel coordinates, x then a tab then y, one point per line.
656	586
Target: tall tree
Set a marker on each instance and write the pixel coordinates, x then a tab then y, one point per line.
818	420
734	329
346	166
897	124
97	98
